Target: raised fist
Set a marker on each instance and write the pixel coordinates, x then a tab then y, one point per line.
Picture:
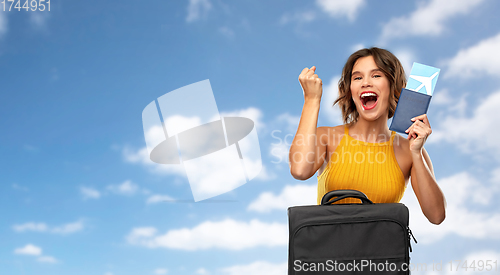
312	85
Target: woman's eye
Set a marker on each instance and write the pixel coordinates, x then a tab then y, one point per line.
357	78
377	75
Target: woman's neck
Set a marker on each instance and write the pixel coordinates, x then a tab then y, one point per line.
370	131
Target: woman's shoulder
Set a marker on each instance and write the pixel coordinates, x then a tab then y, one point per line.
338	128
331	130
401	142
330	134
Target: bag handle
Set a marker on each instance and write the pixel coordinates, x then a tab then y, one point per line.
342	194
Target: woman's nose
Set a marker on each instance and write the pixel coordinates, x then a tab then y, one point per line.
366	82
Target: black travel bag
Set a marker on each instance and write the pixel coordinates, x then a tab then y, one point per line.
362	238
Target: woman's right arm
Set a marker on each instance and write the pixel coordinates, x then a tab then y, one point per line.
308	149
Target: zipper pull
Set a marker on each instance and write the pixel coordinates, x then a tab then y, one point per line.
411	234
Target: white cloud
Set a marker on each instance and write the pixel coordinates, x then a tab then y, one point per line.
252	113
39	19
31	226
223	171
20	187
298	16
141	156
198	9
202	271
283	129
486	256
28	249
428	19
462	192
341	8
68	228
220	171
291	122
455	104
357	47
406	57
127	188
154	135
3	24
226	31
158	198
442	97
279	152
177	124
483	139
47	259
89	193
476	60
33	250
42	227
291	195
265	174
143	232
328	113
227	234
495	175
483	261
259	267
160	271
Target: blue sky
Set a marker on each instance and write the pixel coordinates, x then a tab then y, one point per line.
78	195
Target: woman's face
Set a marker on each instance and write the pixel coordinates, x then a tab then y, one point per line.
370	89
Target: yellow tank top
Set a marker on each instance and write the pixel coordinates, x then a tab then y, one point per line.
367	167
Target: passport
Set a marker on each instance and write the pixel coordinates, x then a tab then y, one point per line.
410	105
416	97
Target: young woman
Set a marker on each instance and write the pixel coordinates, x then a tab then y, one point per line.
363	154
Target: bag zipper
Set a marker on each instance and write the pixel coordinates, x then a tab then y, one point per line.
315	223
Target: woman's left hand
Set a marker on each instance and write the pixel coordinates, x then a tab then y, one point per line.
418	133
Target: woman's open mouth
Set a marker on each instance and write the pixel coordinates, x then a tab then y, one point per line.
369	100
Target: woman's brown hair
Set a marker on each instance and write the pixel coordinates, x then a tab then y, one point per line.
388	64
